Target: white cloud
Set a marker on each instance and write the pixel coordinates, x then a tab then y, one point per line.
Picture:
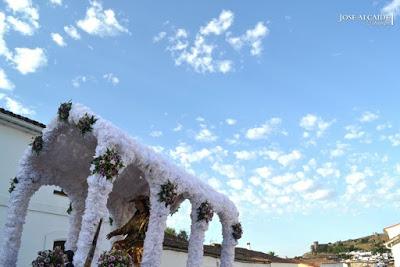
20	26
287	159
319	194
72	32
186	155
255	180
17	107
236	184
392	8
215	183
58	39
284	178
77	81
218	25
252	37
5	83
313	123
353	132
303	185
263	172
56	2
339	150
160	36
28	60
228	170
178	128
245	155
100	22
110	77
262	132
328	170
368	116
205	135
156	134
28	16
394	139
230	121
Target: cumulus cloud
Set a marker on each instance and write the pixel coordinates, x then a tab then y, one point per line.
26	16
72	32
287	159
236	184
263	172
263	131
56	2
160	36
156	134
5	83
319	194
368	116
313	123
79	80
392	8
218	25
206	135
28	60
204	54
252	37
245	155
178	128
17	107
303	185
230	121
100	22
111	78
228	170
339	150
353	132
58	39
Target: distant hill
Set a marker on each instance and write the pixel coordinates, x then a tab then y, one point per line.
373	243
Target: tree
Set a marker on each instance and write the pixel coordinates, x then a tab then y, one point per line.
182	234
271	253
170	231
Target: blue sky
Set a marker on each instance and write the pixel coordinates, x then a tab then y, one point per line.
290	112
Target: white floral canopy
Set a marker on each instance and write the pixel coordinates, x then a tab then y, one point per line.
101	168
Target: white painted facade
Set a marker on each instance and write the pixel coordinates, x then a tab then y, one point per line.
394	242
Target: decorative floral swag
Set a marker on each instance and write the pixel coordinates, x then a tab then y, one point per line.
168	193
108	164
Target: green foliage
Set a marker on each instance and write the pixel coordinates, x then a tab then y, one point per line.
63	111
271	253
13	184
108	164
85	124
182	234
37	144
170	231
168	193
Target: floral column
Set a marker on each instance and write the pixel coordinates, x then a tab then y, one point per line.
105	168
201	215
231	233
21	193
75	220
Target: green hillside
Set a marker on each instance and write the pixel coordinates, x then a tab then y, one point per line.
373	243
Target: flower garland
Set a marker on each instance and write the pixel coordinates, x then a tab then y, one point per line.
237	231
205	212
168	193
108	164
63	111
37	144
117	258
13	184
85	124
50	258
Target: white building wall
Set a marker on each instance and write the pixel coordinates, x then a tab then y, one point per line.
171	258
